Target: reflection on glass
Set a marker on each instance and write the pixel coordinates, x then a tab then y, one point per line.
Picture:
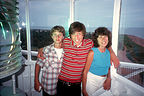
131	40
10	52
131	34
42	19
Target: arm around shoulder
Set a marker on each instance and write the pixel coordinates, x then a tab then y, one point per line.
40	54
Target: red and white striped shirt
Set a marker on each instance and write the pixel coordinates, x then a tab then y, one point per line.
74	60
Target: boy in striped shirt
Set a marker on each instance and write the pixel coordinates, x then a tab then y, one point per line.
76	49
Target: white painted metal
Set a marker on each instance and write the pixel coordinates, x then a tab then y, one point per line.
115	27
28	38
28	30
72	4
134	73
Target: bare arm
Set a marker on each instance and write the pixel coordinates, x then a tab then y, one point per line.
114	58
36	80
107	83
86	69
37	70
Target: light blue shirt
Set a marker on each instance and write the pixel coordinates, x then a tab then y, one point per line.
101	62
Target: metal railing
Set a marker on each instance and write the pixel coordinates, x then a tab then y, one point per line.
127	75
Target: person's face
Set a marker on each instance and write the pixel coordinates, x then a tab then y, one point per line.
102	40
77	37
57	37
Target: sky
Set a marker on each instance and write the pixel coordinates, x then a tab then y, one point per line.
93	13
133	13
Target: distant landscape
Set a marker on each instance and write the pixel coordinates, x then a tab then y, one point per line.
130	49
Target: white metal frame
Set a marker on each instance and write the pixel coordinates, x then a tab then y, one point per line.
116	22
28	34
72	4
28	30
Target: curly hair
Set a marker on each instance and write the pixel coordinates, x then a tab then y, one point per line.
102	31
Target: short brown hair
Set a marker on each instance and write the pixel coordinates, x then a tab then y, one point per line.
77	27
59	29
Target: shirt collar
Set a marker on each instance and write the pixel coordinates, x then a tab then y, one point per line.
78	45
74	44
49	48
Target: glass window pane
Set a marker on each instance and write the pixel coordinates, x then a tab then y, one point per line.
44	14
131	34
94	13
131	40
22	25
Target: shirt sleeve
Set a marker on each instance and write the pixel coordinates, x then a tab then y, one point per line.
90	43
66	42
40	62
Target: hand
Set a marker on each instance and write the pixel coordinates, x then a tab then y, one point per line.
107	84
84	92
40	54
37	85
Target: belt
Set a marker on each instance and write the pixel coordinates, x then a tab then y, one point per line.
103	75
69	83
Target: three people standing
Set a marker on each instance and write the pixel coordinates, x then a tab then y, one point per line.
76	50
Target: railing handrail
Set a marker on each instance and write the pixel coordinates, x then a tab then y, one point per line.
122	64
134	65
